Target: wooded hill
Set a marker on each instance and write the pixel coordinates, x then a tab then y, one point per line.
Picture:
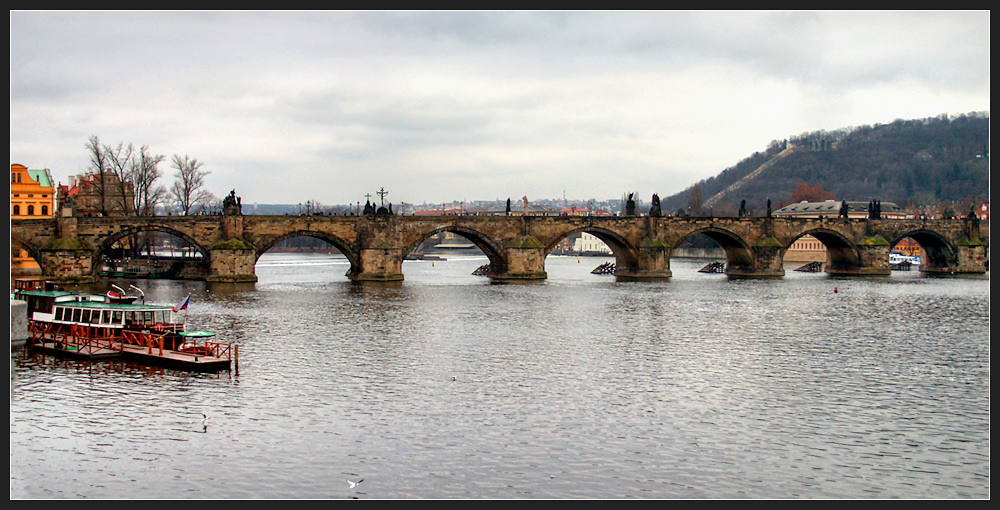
913	163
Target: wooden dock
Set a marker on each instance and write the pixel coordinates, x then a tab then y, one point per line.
73	351
142	347
195	361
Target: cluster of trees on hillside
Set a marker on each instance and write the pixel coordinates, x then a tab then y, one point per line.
943	159
126	180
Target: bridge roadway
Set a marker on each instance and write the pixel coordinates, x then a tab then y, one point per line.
70	248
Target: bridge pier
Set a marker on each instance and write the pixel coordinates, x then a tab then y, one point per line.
970	258
652	262
232	261
525	261
873	260
68	264
765	261
379	264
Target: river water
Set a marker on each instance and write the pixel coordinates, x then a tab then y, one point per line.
449	386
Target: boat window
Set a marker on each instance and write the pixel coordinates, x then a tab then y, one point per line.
85	317
59	313
46	304
106	317
148	317
117	317
159	318
95	317
76	314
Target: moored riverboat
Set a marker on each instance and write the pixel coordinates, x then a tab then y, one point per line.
901	262
94	326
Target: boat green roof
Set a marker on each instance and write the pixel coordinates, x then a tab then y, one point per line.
113	306
90	304
197	334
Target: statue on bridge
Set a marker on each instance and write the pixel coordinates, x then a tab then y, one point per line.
743	209
769	208
875	210
231	205
630	206
654	210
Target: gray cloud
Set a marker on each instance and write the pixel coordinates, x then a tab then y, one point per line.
451	105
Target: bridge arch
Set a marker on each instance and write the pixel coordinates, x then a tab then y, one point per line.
16	242
739	254
108	242
34	252
938	254
842	254
623	251
492	250
341	245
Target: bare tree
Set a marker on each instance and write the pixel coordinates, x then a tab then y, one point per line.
695	201
118	163
144	173
98	163
188	186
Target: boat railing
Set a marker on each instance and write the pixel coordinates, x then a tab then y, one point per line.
81	338
220	350
149	341
155	341
160	327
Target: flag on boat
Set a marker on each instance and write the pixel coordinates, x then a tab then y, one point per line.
183	304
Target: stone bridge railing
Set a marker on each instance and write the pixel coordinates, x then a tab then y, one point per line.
70	248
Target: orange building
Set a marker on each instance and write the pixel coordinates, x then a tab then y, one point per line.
32	193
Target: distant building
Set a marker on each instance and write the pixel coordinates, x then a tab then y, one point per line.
589	244
32	193
517	209
89	195
806	249
983	211
831	209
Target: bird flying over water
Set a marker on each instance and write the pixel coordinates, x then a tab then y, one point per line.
354	484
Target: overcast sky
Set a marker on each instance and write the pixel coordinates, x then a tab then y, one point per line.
285	107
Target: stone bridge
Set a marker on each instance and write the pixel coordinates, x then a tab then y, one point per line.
70	248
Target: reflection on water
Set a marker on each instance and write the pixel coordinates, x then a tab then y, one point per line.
449	386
